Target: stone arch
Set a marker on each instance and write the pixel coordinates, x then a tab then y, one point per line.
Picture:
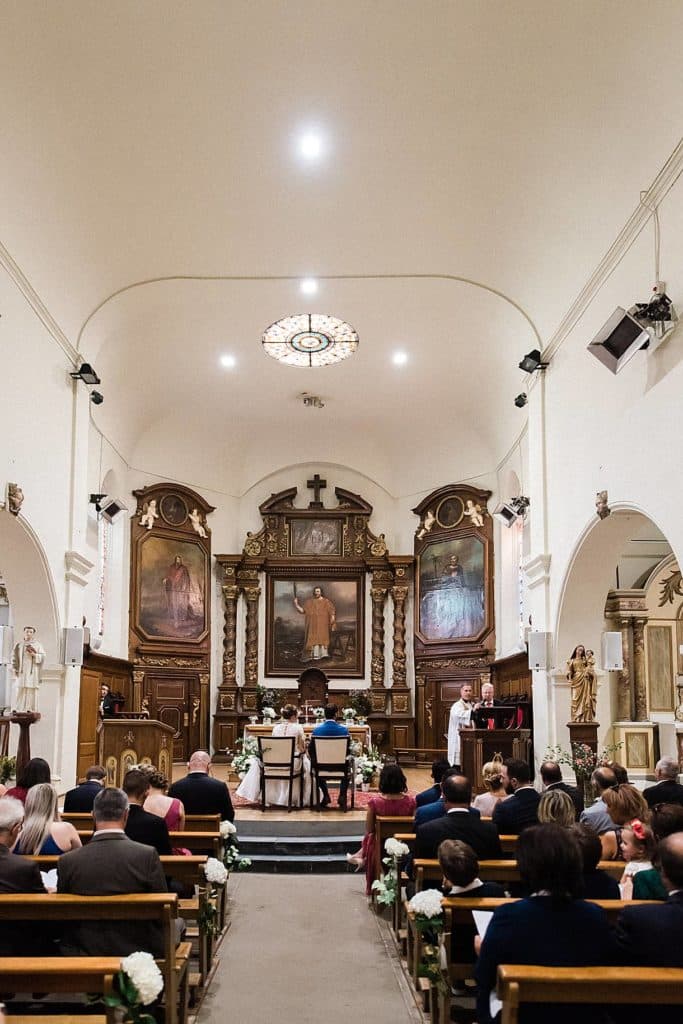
30	585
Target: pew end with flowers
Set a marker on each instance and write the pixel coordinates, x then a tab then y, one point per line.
137	985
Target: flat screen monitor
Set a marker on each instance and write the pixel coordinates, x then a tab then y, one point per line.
618	340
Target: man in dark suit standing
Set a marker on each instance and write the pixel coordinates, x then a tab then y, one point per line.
81	799
480	717
551	777
652	936
17	875
142	826
199	793
514	815
111	864
667	790
458	823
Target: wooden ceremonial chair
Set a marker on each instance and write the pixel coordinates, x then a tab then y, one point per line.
330	761
278	764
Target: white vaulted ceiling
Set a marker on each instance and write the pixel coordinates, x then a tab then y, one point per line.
481	159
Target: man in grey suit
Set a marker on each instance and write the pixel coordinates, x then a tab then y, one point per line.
17	875
111	864
597	816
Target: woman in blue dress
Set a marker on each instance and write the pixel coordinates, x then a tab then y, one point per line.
44	832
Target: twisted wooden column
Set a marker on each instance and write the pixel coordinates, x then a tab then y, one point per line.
399	595
230	596
378	597
252	595
639	672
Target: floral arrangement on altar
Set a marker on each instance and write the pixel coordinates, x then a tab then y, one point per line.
360	702
367	765
269	714
319	714
387	887
231	853
137	984
247	749
348	714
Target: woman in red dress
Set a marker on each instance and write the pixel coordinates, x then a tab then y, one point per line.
393	800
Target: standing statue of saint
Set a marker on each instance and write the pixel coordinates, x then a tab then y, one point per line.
581	674
27	657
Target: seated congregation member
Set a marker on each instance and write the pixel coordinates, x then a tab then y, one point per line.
667	819
277	791
199	793
428	812
17	875
667	789
44	832
34	771
597	816
520	811
556	807
637	849
486	802
620	773
551	777
623	803
597	884
652	936
142	826
393	800
458	823
460	879
552	927
429	796
111	864
80	799
330	728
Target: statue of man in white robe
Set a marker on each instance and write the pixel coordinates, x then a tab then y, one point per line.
28	656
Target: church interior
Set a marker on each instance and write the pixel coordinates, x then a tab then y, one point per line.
340	366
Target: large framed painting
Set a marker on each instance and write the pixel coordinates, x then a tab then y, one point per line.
173	589
452	589
315	622
315	537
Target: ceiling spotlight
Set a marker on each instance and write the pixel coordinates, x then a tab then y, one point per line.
312	401
309	286
400	358
521	400
86	374
532	361
508	512
96	397
311	146
228	362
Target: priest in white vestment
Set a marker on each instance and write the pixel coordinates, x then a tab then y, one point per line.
460	718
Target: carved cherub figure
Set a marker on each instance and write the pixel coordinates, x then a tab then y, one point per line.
427	524
15	499
475	512
601	506
197	524
149	514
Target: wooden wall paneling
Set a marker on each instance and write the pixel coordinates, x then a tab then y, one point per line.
660	675
98	669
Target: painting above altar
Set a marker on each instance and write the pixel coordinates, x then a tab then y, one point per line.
452	589
315	621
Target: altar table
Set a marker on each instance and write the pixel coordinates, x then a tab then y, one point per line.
359	733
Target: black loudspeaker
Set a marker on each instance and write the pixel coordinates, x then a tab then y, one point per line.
72	646
612	652
539	651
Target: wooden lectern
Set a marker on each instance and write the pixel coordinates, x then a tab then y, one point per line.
477	746
124	742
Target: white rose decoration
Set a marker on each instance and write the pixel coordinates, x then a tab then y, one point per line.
427	903
394	848
227	829
215	872
145	975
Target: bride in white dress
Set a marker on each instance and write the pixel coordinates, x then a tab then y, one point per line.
277	793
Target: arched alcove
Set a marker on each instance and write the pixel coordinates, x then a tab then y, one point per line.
30	587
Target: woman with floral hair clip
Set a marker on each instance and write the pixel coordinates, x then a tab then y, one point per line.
637	848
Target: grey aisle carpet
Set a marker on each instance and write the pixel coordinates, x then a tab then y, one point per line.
305	949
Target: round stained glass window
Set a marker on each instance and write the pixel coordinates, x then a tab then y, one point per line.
310	339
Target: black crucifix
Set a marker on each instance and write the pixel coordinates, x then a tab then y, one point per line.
317	485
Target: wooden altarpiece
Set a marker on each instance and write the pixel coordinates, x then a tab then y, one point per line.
296	551
454	614
170	612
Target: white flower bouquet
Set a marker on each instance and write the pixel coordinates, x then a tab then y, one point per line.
138	984
426	905
319	714
215	872
396	849
269	713
248	750
227	829
348	714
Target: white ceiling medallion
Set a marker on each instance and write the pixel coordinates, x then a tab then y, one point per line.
310	339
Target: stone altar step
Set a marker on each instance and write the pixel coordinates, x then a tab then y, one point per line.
316	851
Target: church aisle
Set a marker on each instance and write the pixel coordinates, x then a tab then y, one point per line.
305	949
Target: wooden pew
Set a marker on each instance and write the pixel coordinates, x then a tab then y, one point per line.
198	842
58	1018
193	822
457	913
495	871
605	985
159	907
385	828
509	843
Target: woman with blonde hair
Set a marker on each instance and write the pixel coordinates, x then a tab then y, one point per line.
44	832
495	790
624	803
556	807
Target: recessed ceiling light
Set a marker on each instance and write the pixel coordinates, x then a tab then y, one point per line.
400	358
309	286
228	362
311	146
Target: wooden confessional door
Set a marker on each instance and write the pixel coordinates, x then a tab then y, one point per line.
175	701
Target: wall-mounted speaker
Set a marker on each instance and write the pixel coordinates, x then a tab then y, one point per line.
72	646
6	644
540	656
612	652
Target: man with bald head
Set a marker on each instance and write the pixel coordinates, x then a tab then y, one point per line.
597	816
652	936
201	794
